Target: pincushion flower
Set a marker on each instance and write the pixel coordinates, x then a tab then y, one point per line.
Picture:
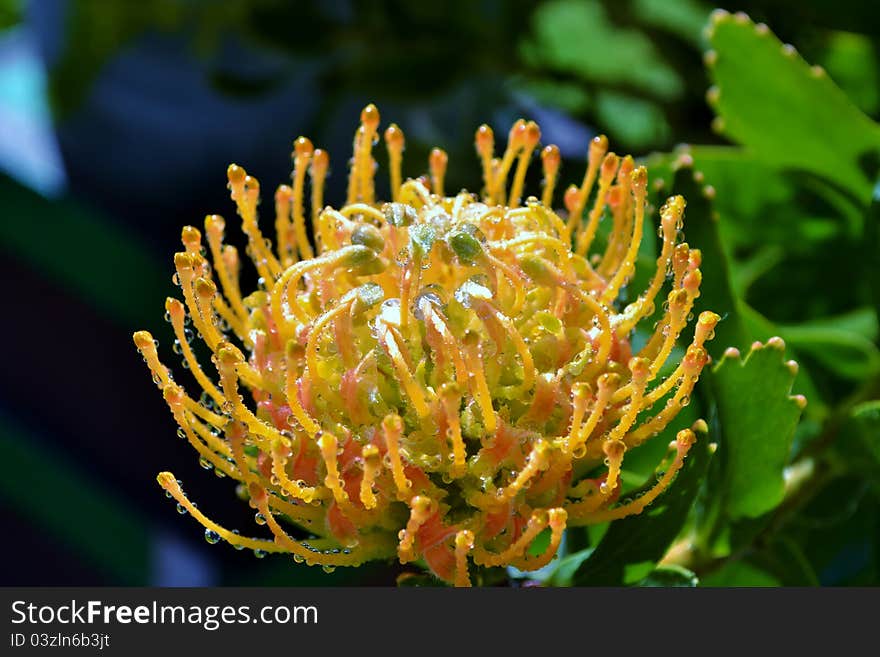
435	378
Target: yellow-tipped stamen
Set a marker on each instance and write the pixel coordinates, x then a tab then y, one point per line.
421	508
437	162
408	280
174	398
607	384
662	329
318	169
285	288
450	397
627	267
451	348
614	450
675	320
413	389
169	483
606	177
302	155
485	144
245	190
183	265
537	461
683	443
580	393
414	193
557	521
307	494
464	543
670	217
192	240
316	333
205	291
226	313
392	428
363	209
693	362
147	347
576	198
361	186
291	390
372	465
550	160
395	142
228	358
210	438
515	142
536	524
522	350
530	139
353	557
177	314
705	330
606	333
284	238
329	445
620	200
214	227
328	223
478	385
514	279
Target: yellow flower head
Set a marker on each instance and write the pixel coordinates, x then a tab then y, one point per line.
436	378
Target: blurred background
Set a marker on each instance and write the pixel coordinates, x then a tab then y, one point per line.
117	122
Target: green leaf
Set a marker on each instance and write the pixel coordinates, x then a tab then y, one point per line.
785	559
739	573
859	441
757	417
786	112
567	567
762	328
671	576
576	36
701	228
861	321
632	546
871	244
567	96
684	18
851	59
843	351
632	120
